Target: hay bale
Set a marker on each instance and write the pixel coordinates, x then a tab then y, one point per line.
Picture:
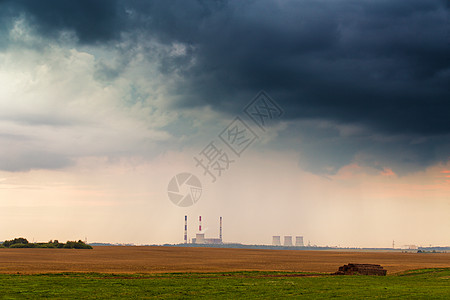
361	269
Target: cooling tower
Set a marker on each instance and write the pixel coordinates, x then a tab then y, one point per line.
276	240
287	240
299	241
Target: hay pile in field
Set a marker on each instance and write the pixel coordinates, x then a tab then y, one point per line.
362	269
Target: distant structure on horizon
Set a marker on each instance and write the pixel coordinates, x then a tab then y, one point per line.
200	236
287	240
220	232
411	247
185	230
276	240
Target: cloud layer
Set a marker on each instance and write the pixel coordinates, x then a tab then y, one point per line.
377	66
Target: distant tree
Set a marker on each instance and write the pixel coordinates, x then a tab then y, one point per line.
21	245
15	241
77	245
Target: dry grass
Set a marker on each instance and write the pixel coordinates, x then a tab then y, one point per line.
178	259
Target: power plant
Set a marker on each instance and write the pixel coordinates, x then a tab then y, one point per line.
200	236
276	241
287	240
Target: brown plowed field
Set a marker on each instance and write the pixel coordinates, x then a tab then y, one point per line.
179	259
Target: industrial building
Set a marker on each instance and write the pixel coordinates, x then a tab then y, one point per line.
287	240
276	241
200	236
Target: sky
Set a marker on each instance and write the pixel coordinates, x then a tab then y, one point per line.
322	119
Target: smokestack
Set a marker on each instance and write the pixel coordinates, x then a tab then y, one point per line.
185	229
200	224
220	232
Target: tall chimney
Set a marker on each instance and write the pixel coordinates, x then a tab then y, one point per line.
220	232
200	224
185	229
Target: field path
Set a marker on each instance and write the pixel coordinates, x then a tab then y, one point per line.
126	259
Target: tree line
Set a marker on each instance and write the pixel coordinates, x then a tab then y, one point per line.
23	243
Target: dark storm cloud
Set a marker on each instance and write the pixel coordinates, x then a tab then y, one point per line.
325	149
349	63
92	21
384	65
